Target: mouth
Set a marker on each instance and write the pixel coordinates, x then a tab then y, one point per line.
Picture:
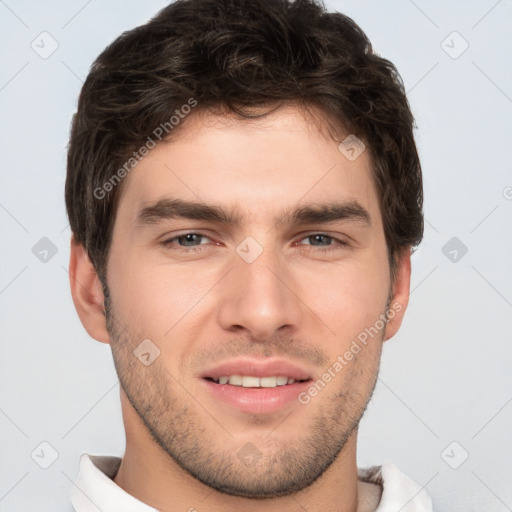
251	381
256	386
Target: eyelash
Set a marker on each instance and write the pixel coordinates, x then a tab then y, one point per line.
169	244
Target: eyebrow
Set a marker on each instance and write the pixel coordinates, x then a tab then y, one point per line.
314	213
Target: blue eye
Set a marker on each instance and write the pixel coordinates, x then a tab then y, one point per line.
318	237
192	242
323	242
187	240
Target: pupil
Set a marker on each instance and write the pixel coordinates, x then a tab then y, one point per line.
189	239
318	238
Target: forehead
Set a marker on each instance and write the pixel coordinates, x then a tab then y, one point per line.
257	166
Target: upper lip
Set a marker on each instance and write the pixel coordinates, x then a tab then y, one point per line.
257	368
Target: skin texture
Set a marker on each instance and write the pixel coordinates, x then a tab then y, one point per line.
297	301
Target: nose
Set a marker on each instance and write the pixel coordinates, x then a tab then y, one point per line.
258	299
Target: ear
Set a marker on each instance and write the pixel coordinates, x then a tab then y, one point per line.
87	293
401	290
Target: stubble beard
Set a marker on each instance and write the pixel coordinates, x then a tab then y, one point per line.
208	449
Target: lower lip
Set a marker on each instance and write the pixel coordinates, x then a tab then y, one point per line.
256	400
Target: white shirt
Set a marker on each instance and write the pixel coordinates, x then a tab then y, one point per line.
95	491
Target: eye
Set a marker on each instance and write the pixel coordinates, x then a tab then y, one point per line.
185	242
192	242
324	242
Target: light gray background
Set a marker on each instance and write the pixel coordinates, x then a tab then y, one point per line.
445	377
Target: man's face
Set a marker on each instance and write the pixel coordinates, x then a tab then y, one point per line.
270	295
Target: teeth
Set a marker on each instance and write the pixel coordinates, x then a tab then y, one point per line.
268	382
236	380
249	381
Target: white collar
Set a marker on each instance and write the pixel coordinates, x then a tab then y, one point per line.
95	491
400	493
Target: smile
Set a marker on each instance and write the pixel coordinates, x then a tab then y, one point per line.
249	381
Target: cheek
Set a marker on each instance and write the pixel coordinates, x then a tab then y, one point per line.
348	298
158	299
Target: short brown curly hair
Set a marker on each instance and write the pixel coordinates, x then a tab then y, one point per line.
231	56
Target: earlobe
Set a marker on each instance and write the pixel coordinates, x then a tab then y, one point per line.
87	293
401	290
